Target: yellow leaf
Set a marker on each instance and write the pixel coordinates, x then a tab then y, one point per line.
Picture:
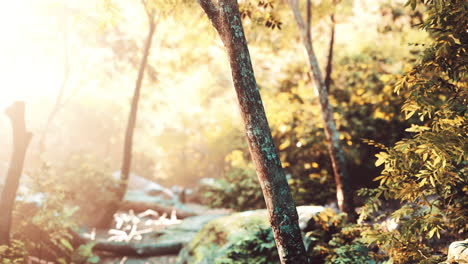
284	145
381	158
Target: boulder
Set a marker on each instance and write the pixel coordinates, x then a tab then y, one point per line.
458	252
141	184
168	241
184	232
213	240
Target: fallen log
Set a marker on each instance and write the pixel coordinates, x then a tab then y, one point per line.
128	248
139	250
141	206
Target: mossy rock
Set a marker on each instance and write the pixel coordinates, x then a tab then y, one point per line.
212	243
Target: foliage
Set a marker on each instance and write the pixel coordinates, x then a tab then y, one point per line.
47	232
96	186
197	149
66	197
427	172
330	239
364	105
15	253
257	246
260	12
230	234
239	189
85	254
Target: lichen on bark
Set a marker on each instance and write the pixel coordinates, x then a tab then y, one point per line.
225	17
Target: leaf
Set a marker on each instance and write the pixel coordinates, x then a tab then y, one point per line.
66	243
93	259
432	232
432	181
416	128
381	158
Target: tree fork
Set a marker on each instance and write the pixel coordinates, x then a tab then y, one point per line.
21	139
225	17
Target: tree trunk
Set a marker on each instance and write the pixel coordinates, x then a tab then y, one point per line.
128	140
224	15
21	139
344	191
329	68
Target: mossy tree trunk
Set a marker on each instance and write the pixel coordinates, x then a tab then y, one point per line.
344	191
21	139
225	17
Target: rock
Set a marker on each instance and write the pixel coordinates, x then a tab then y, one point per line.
458	252
185	231
211	242
168	241
141	184
139	201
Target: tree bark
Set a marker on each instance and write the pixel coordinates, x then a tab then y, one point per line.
344	191
224	15
128	139
21	139
329	68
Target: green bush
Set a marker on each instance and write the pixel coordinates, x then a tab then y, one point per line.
72	195
239	189
330	239
426	172
81	182
258	246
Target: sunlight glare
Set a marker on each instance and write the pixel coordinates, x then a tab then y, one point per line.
28	72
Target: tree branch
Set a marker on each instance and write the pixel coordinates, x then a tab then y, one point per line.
212	11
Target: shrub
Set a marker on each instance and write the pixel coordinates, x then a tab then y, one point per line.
15	253
258	246
426	173
239	189
330	239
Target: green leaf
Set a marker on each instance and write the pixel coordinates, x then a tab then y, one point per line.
93	259
66	243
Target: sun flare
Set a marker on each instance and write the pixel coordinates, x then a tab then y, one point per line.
29	71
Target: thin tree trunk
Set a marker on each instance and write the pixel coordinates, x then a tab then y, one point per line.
344	191
224	15
132	118
329	68
128	140
21	139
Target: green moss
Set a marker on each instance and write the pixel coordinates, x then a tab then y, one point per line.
215	239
